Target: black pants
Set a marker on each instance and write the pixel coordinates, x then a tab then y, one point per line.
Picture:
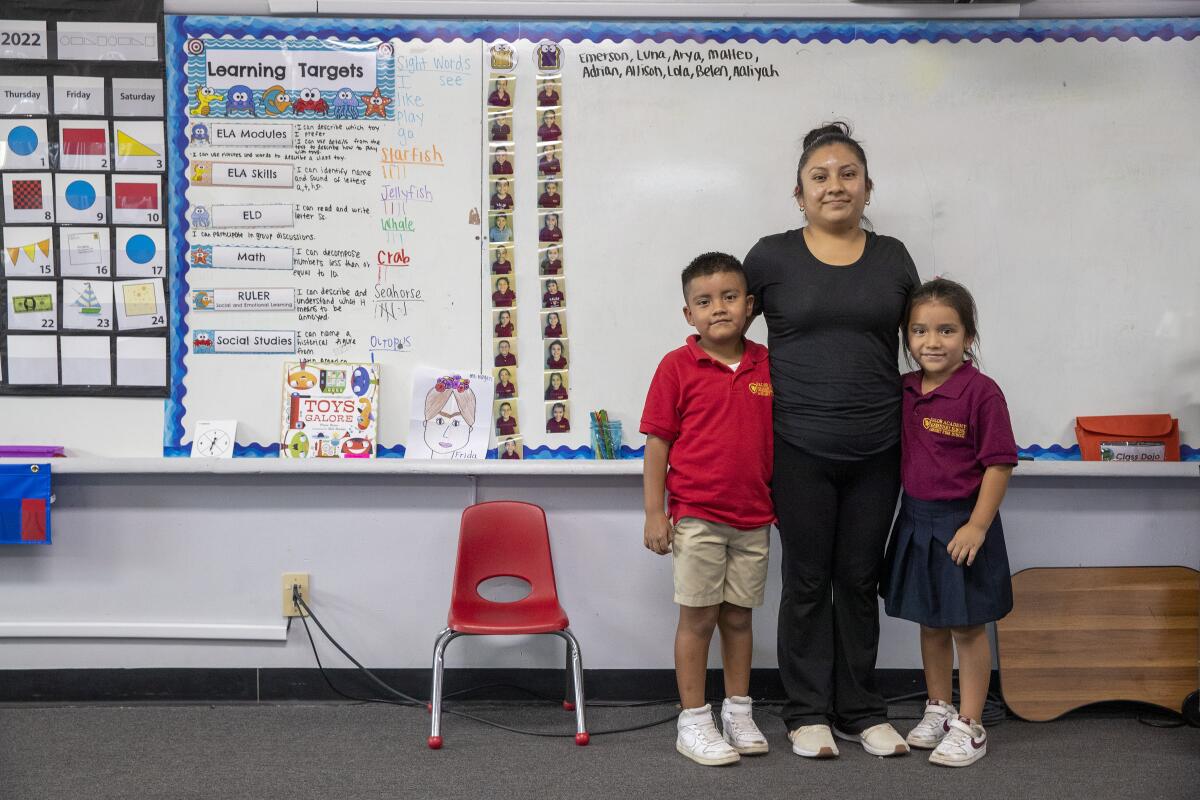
834	518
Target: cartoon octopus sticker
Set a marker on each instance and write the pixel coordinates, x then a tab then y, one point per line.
240	98
200	217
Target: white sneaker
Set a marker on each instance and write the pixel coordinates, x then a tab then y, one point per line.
878	740
933	727
965	744
738	728
700	740
813	741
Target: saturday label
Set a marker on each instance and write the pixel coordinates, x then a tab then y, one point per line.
244	299
218	342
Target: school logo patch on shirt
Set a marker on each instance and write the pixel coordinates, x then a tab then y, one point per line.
762	389
956	429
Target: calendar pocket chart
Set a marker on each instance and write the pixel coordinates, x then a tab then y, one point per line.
28	252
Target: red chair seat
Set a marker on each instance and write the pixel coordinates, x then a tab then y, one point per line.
508	618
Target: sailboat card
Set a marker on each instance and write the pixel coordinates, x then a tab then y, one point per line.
141	252
32	306
83	144
87	305
27	252
81	197
84	253
140	304
28	197
23	144
140	145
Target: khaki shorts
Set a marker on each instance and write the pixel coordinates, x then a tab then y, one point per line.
715	563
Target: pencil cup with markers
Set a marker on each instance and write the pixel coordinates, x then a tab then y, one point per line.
606	437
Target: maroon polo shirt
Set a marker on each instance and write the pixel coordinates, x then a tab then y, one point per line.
506	427
504	299
951	435
558	426
552	299
506	359
719	425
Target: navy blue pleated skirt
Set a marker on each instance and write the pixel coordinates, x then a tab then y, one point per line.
922	583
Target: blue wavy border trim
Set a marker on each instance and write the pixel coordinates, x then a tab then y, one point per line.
718	31
179	28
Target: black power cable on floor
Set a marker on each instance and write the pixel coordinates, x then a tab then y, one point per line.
299	602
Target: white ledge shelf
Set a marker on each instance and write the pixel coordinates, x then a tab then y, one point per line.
535	467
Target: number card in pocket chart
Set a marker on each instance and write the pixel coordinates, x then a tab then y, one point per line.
140	304
137	199
28	197
23	144
28	252
84	253
330	410
83	144
32	306
87	305
141	145
141	252
25	503
81	198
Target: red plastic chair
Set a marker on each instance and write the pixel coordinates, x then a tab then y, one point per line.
506	539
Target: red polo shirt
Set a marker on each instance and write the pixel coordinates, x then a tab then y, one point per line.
718	422
951	435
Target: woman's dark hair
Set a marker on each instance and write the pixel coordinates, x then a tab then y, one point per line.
831	133
948	293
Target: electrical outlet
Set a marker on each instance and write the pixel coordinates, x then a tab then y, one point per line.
290	579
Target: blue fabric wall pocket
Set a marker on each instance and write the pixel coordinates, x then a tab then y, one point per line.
24	504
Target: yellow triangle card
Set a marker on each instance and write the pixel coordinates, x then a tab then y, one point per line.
129	146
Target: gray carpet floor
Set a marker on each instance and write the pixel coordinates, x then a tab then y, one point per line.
348	752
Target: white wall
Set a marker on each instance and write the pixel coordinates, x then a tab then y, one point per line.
380	549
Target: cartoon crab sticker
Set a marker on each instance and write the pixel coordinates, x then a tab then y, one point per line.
310	100
376	103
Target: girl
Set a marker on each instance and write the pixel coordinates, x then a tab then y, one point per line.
554	328
552	297
501	265
947	567
558	422
504	325
505	388
556	359
551	263
503	297
550	231
556	390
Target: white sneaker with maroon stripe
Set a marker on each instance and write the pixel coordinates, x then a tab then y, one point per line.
933	727
965	744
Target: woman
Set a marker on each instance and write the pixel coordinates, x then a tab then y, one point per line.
833	296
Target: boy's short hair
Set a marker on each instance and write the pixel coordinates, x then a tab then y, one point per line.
711	264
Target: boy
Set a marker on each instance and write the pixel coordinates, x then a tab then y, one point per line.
708	415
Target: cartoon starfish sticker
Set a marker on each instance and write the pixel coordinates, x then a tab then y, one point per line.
376	104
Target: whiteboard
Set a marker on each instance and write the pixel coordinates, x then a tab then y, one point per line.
1047	165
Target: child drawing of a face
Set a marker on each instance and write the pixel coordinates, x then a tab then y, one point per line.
449	415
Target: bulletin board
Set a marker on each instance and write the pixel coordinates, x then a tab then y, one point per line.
1011	156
